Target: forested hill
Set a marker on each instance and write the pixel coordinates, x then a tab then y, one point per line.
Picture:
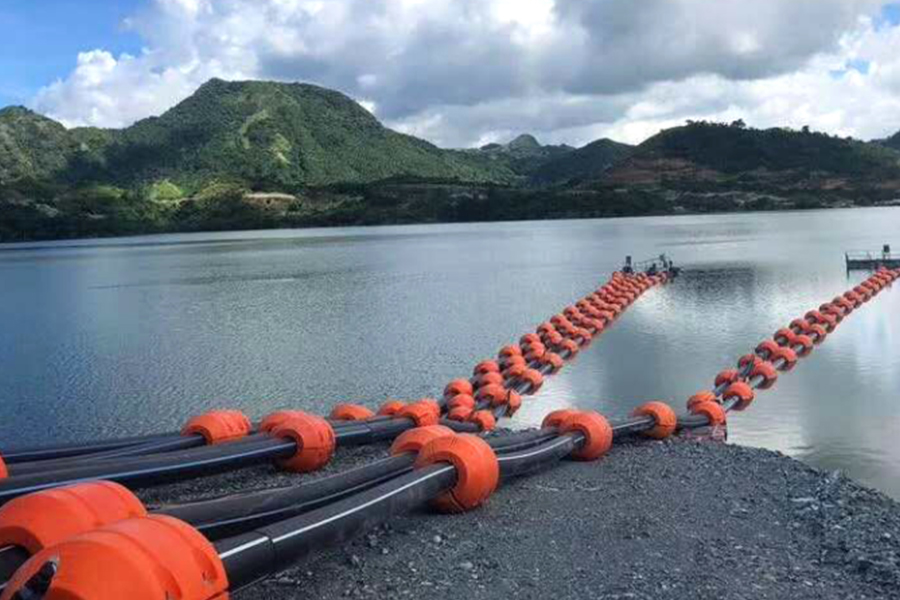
262	134
726	152
240	155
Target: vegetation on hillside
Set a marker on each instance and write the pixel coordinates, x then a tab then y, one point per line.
258	154
892	142
735	148
522	156
260	134
584	164
31	146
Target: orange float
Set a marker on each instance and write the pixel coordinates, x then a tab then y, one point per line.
414	439
555	418
787	356
146	558
664	417
477	469
40	520
462	400
492	393
701	397
391	408
486	366
457	387
351	412
459	413
713	411
484	419
742	392
534	379
219	426
767	371
315	441
598	434
727	376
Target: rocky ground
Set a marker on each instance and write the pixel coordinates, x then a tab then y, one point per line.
678	519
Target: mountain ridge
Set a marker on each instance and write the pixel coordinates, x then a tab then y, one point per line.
262	154
257	132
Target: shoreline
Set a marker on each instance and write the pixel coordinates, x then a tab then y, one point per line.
673	519
85	241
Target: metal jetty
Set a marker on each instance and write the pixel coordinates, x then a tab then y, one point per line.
872	260
652	266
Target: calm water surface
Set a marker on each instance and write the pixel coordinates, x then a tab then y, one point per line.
135	335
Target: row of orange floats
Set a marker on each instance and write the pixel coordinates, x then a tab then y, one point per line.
734	389
495	383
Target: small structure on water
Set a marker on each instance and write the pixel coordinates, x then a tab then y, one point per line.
872	260
652	266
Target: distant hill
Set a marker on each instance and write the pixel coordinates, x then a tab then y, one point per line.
732	154
584	164
241	155
259	133
32	146
893	141
523	155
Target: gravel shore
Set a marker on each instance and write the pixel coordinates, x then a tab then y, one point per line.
676	519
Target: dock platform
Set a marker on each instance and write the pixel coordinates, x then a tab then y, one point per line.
861	260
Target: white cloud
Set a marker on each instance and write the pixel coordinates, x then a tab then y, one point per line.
463	72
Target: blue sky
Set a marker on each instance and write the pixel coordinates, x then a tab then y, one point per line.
890	13
40	39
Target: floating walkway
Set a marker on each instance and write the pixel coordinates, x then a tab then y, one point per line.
872	261
64	533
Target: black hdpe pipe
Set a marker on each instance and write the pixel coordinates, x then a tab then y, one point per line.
351	434
233	515
161	446
144	471
131	446
32	454
254	556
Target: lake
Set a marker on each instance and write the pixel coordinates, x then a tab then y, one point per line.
128	336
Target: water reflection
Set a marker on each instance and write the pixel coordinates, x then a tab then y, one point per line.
100	338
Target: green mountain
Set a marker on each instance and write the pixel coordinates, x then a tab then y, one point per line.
734	154
523	155
243	155
31	146
892	142
260	134
584	164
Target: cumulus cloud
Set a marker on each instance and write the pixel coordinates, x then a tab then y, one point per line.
464	72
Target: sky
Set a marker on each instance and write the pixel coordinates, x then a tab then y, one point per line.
463	73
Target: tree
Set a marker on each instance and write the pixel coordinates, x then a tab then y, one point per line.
739	124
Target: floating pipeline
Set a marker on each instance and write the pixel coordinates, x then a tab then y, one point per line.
497	387
31	523
231	514
456	473
495	384
735	389
579	435
157	556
